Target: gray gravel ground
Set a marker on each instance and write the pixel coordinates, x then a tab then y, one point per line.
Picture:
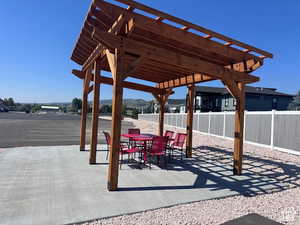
274	206
281	205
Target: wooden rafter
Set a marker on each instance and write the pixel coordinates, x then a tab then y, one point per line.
193	26
154	53
193	42
184	81
115	29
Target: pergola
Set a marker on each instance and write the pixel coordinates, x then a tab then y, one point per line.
158	48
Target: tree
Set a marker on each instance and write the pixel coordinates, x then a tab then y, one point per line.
9	102
26	108
76	104
295	104
35	108
106	109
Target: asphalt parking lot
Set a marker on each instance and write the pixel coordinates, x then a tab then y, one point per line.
20	129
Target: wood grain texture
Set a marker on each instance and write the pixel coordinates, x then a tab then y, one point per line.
95	114
190	115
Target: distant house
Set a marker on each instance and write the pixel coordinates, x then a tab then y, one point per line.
3	107
217	99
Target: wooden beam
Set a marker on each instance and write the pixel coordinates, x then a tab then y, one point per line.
169	57
118	76
190	115
125	84
186	80
79	74
104	18
232	88
193	26
135	65
84	109
239	131
95	114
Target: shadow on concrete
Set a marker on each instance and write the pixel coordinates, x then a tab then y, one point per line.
214	164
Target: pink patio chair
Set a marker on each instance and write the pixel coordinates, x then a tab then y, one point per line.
107	139
169	134
124	149
178	143
157	148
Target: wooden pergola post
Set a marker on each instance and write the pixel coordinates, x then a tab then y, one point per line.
95	116
190	115
116	62
161	118
237	90
162	100
239	131
84	109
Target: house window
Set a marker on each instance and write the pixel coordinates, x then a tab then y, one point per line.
226	101
274	103
234	101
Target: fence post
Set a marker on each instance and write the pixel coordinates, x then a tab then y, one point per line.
272	129
209	118
245	117
224	125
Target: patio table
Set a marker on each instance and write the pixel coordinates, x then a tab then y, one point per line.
139	137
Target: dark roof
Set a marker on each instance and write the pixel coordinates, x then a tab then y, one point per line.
249	89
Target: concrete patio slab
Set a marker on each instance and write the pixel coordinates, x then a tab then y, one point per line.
56	185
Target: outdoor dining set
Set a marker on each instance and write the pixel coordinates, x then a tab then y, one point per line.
145	146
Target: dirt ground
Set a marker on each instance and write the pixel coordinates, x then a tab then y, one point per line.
20	129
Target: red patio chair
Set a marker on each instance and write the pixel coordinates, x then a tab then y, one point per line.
123	148
107	138
169	134
157	148
178	143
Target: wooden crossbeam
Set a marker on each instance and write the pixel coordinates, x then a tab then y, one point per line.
171	58
125	84
192	26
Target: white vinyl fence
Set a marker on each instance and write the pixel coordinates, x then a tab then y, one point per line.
279	130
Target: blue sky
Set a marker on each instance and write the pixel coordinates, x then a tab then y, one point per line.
37	38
